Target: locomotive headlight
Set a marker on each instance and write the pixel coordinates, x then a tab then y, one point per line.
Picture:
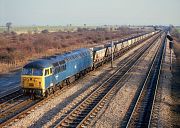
35	80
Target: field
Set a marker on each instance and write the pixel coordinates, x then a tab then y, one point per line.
178	29
37	29
17	49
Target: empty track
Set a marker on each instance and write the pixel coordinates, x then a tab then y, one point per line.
139	112
10	95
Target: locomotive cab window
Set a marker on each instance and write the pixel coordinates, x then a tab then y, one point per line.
50	70
27	71
32	71
37	72
46	72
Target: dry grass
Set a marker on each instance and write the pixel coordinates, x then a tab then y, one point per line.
17	50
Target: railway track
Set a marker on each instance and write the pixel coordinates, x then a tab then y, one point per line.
139	112
84	114
31	105
153	121
10	103
15	108
10	95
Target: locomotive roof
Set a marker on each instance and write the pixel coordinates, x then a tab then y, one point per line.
68	54
41	63
48	61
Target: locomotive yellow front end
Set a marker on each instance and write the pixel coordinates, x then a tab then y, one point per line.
32	81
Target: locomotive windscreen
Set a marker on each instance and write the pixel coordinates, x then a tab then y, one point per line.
34	72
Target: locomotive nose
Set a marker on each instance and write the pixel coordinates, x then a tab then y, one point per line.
32	82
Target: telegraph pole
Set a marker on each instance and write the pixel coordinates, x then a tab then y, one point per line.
112	45
170	47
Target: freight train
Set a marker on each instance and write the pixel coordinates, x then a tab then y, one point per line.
44	76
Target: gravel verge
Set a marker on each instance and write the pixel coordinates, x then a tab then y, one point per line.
175	88
165	85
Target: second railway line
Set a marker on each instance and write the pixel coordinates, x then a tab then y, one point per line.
139	112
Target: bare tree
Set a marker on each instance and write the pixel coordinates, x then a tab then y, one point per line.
8	25
84	25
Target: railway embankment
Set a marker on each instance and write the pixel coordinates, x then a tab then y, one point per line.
175	88
165	84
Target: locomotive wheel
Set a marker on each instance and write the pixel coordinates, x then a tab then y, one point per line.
32	97
25	93
53	89
47	93
60	86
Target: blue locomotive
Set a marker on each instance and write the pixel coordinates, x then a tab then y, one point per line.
44	76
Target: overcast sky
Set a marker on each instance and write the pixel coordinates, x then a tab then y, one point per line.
90	12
